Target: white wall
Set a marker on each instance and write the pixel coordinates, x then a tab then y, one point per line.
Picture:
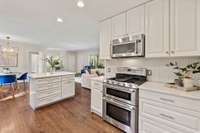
23	54
160	72
83	58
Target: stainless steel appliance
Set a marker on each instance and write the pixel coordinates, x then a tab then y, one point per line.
131	46
120	98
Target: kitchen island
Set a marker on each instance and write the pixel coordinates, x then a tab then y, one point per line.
48	88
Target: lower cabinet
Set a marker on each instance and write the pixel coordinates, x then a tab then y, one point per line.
47	90
67	87
96	97
160	116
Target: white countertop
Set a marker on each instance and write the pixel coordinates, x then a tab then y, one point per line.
45	75
100	78
164	88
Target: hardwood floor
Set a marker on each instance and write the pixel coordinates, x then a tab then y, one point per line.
69	116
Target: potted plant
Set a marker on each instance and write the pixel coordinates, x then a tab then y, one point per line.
185	73
53	62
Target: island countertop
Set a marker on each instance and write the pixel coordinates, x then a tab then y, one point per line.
45	75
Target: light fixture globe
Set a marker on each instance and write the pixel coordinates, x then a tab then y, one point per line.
80	4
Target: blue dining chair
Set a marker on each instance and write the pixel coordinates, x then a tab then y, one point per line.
23	78
8	79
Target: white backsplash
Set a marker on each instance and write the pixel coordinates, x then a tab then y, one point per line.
160	72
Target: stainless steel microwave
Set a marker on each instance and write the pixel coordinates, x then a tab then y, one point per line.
131	46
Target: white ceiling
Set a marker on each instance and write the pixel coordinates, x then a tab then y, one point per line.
35	21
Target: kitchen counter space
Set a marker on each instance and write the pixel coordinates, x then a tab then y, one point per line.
45	75
100	78
164	88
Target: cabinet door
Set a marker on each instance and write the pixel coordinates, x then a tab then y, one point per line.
68	89
184	28
96	101
157	28
135	21
105	39
119	26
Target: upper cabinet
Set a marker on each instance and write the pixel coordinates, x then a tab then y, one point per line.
184	28
135	21
105	38
119	26
157	28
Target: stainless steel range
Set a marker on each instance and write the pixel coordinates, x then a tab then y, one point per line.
120	98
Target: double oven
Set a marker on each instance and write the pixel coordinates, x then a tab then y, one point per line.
120	107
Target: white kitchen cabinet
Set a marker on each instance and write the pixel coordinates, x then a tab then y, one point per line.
50	88
96	97
162	110
184	28
105	39
136	21
157	28
67	86
119	26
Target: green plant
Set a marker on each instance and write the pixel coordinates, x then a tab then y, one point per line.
53	61
187	71
95	62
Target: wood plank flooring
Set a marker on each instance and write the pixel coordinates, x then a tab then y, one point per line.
69	116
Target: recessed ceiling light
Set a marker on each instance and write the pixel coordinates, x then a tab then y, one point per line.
60	20
80	4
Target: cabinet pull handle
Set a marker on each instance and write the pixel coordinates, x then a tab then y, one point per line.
167	100
167	116
172	52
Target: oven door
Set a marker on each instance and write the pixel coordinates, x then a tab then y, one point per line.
121	93
121	115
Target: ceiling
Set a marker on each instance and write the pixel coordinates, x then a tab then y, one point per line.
34	21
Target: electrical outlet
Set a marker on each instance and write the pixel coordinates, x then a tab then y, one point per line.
149	72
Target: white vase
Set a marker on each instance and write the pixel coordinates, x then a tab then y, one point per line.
188	83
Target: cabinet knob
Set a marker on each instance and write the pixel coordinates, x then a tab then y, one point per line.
172	52
167	52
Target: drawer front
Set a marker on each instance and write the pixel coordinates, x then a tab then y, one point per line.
64	82
49	99
42	81
171	100
54	79
69	77
97	85
47	93
170	115
149	126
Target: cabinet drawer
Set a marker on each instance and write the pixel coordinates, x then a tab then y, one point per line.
49	99
47	93
67	81
182	102
54	79
71	77
42	81
170	115
149	126
97	85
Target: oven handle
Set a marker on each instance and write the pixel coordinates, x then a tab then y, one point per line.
127	107
119	88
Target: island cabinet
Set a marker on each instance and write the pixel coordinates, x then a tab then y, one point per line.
164	110
47	89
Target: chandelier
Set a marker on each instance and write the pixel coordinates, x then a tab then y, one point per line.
7	49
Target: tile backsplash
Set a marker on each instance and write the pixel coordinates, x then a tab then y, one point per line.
160	71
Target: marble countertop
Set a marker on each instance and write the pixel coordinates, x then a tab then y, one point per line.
45	75
164	88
